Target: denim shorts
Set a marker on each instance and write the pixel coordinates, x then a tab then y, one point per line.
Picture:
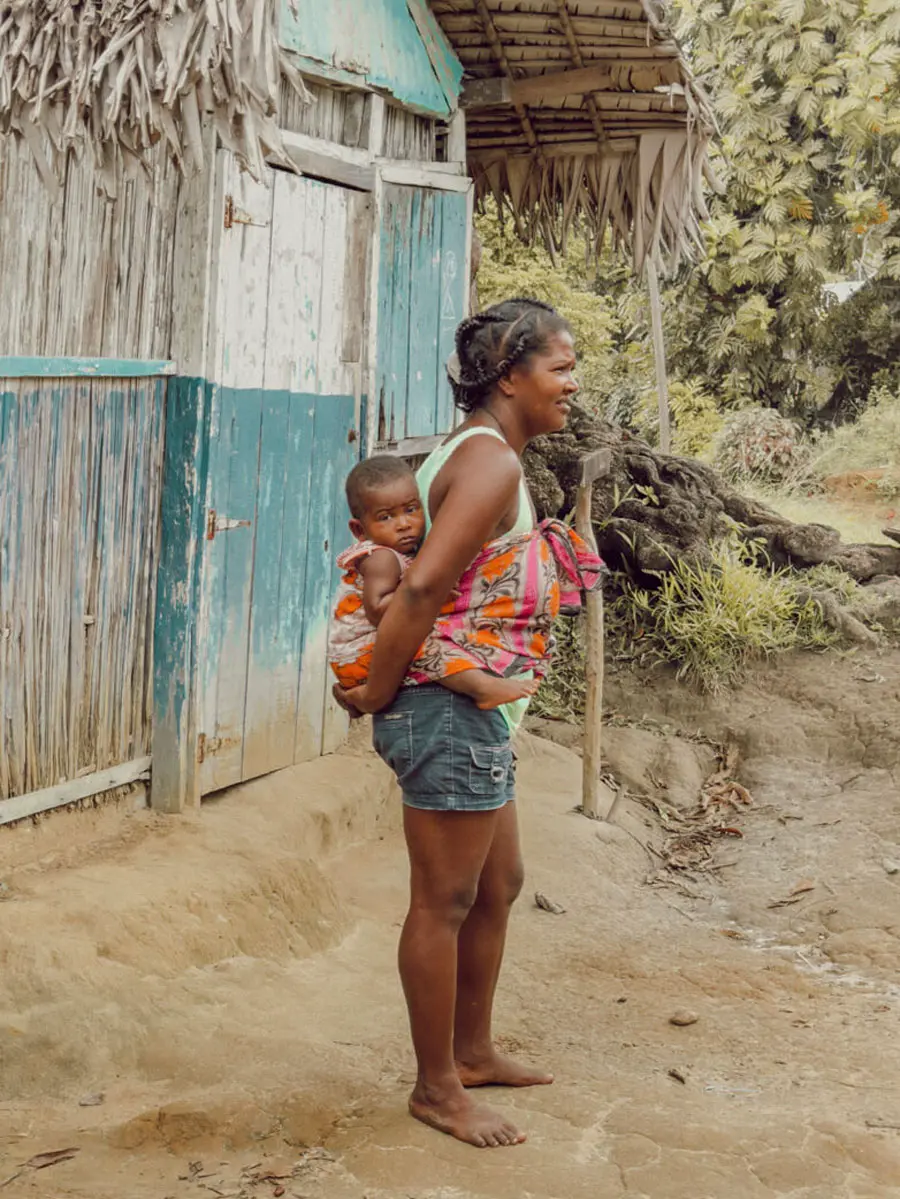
448	755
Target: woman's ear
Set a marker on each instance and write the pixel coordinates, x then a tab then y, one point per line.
356	528
507	386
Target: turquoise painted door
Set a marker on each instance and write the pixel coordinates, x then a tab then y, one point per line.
421	300
286	386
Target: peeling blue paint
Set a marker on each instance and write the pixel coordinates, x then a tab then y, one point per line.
376	44
421	299
95	368
237	615
182	521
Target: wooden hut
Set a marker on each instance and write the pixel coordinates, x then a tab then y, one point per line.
234	246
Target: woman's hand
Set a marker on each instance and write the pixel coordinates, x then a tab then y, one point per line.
359	701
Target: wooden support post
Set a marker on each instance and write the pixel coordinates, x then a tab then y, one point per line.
659	354
456	137
592	467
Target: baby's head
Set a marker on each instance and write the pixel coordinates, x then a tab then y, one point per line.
384	503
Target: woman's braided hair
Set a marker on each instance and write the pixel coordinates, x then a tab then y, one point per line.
490	343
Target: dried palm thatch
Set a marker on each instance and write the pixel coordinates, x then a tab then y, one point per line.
115	77
583	109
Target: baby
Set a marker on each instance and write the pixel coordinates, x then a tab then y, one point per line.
388	522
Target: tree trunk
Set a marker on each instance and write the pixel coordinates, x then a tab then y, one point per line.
654	507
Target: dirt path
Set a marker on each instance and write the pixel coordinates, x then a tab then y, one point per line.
227	982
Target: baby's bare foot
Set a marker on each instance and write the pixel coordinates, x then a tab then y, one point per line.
496	1070
453	1112
497	692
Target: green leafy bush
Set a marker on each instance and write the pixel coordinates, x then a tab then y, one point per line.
711	619
759	443
696	419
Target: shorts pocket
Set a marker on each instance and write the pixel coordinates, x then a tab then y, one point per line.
489	768
392	737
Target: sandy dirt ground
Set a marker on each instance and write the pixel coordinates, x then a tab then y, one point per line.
208	1005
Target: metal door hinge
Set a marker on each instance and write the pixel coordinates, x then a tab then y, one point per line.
222	524
201	749
237	216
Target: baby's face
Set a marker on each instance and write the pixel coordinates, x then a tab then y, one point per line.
394	516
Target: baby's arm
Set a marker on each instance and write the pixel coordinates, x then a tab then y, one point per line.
381	578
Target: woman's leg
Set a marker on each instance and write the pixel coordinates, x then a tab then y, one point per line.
447	853
480	953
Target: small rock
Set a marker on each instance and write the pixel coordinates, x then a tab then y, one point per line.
547	905
93	1100
890	866
682	1019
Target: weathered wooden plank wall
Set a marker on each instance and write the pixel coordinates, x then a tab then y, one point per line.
409	136
421	299
80	464
66	293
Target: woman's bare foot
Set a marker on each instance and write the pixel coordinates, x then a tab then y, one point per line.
489	690
451	1111
496	1070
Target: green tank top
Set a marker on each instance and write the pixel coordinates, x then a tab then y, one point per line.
513	713
431	467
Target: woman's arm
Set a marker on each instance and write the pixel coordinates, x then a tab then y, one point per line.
483	485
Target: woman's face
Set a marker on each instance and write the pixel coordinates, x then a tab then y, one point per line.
543	386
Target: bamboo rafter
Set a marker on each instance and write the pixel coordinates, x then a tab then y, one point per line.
114	77
627	156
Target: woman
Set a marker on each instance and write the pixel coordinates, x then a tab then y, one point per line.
514	378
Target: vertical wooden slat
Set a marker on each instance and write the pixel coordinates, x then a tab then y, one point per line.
333	420
239	367
454	296
424	313
394	307
279	567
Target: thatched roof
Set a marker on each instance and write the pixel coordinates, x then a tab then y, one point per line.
582	107
574	107
114	77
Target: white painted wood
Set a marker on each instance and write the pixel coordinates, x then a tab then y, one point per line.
456	138
331	370
436	168
410	447
271	705
370	363
336	377
375	139
237	364
330	160
21	806
424	176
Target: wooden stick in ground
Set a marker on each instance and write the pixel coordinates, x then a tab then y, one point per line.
592	467
659	355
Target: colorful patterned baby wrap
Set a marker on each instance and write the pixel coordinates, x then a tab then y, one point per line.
352	633
499	618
